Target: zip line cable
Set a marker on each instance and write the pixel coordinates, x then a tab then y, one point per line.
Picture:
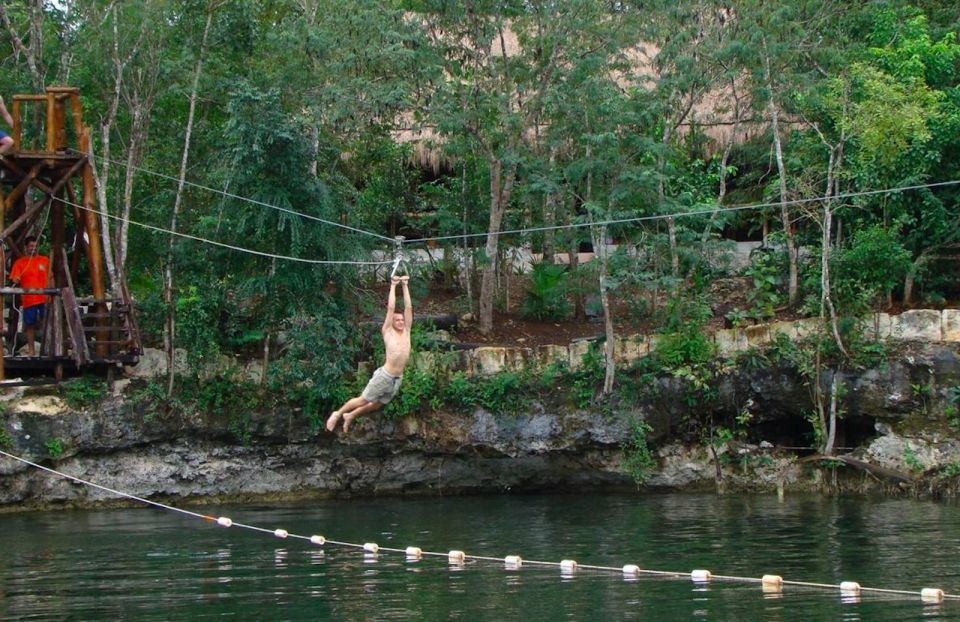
706	212
464	236
327	262
772	583
244	199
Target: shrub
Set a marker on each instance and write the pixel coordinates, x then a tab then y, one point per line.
84	391
638	460
545	298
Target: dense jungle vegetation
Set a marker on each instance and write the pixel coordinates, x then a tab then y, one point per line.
248	122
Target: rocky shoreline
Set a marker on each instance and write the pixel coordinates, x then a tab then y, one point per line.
902	434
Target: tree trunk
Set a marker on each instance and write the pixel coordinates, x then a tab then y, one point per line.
909	281
550	216
169	336
32	55
832	426
139	130
467	255
599	235
662	199
792	253
500	188
724	162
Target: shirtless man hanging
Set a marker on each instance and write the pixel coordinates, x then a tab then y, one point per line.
385	383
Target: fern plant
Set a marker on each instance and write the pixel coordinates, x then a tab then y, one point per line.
546	297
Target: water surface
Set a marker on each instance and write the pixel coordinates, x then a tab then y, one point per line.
150	564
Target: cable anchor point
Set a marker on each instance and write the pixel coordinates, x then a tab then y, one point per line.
397	254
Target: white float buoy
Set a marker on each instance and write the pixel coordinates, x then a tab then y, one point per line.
631	569
456	557
771	583
280	533
568	565
514	561
700	576
849	587
371	547
414	552
318	540
931	595
223	521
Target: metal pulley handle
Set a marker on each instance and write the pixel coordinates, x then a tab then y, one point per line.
397	254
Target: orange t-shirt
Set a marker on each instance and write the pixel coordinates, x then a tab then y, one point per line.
33	273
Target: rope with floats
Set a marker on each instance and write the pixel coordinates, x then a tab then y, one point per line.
770	584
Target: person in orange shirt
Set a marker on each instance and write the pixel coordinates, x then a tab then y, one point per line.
31	271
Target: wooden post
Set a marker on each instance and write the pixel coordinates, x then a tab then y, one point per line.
17	124
55	317
94	246
51	123
60	123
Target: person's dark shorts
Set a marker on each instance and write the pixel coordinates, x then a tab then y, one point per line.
34	315
3	135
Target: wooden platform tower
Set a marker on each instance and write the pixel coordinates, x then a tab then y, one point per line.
47	191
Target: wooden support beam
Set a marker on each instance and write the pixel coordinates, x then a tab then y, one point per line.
27	215
20	172
81	352
21	188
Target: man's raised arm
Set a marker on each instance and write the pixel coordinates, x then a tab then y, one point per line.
391	304
407	304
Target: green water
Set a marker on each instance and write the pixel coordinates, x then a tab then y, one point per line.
149	564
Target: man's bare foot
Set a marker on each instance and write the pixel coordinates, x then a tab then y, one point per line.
347	419
332	421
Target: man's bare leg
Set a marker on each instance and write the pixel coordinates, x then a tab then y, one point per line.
348	417
31	334
350	404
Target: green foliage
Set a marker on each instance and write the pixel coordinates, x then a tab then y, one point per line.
766	275
505	393
545	298
55	448
316	362
149	399
874	263
585	382
911	460
952	408
950	470
638	459
752	358
921	392
197	323
5	441
417	390
83	392
223	394
240	424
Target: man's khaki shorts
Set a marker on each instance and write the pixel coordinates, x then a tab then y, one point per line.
382	387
